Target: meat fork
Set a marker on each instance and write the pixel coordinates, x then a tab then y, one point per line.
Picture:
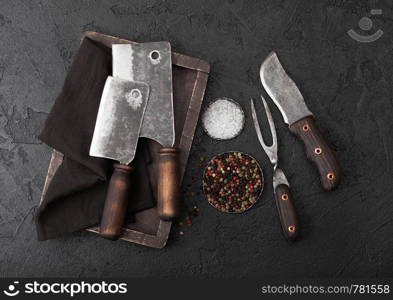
286	209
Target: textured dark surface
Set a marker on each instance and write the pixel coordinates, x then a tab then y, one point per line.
348	85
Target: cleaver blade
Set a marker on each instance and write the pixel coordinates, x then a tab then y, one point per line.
119	120
116	133
151	63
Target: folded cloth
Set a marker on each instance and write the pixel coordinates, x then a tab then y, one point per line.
75	197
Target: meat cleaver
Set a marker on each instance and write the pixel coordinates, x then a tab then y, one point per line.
116	133
152	63
286	95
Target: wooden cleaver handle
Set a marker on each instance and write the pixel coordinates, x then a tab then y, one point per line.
116	201
168	184
287	212
318	151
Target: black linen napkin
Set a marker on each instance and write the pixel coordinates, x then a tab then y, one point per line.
75	197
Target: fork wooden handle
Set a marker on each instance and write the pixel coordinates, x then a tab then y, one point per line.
287	212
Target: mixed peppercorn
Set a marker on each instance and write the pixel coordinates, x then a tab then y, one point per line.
232	182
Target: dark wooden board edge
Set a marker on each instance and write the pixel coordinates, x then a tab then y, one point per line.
202	68
192	117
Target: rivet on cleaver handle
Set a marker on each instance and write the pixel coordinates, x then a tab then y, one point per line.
286	95
116	133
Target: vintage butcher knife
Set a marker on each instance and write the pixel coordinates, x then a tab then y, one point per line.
152	63
116	133
296	114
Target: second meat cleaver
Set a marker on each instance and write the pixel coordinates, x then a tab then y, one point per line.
116	134
286	95
152	63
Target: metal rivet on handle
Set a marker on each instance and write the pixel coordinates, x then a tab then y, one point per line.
318	150
284	197
291	228
330	176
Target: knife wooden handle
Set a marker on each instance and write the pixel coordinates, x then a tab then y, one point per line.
287	212
318	151
168	184
116	201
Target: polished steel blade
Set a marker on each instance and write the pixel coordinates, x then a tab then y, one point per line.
150	63
283	90
119	119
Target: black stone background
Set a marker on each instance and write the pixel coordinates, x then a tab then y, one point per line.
348	85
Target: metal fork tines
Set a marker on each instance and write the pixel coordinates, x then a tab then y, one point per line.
283	197
271	151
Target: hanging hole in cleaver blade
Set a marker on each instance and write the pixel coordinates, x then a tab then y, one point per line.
155	57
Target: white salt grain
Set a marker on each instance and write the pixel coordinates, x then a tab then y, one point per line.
223	119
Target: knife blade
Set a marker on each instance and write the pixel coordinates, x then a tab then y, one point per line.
287	97
116	133
152	63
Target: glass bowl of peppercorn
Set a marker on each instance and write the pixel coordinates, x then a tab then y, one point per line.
233	182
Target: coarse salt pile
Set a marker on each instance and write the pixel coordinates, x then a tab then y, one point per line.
223	119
